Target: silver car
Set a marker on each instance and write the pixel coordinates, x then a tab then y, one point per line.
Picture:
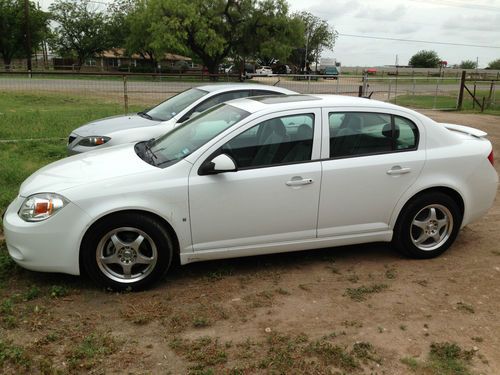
155	122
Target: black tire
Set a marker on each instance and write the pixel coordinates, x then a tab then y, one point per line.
419	234
114	255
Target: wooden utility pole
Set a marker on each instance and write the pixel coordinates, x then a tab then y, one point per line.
28	32
461	92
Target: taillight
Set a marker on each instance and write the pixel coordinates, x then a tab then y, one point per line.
491	158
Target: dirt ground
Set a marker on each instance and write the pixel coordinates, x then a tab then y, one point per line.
350	310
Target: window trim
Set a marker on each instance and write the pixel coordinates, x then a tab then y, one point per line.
328	111
212	150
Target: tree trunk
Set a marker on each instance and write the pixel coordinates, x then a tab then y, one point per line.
213	69
7	60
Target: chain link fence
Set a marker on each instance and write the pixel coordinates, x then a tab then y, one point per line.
147	90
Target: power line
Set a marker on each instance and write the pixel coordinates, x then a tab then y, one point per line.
417	41
458	4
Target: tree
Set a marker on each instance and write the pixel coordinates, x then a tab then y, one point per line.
81	30
270	34
13	29
468	64
318	35
130	21
215	29
425	59
495	64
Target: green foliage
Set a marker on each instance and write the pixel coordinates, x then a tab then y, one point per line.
81	30
7	265
12	354
495	64
425	59
58	291
318	35
468	64
13	26
213	30
91	349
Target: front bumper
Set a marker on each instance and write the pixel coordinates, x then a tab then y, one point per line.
51	245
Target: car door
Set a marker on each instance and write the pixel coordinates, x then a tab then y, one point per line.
272	197
370	160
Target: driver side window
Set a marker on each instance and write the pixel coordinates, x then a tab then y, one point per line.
280	140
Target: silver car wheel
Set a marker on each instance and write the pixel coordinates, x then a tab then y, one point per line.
126	255
431	227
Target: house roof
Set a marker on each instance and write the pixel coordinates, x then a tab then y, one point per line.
121	53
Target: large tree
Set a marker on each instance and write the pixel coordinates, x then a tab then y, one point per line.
215	29
318	35
425	59
495	64
81	30
468	64
13	28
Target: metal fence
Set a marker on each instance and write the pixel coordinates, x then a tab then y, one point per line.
149	89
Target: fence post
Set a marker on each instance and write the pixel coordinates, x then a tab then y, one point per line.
365	84
360	91
482	106
474	96
461	91
125	94
389	92
490	94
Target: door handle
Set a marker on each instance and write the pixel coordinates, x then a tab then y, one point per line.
397	170
299	181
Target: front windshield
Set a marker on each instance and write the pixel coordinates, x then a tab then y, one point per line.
170	107
194	133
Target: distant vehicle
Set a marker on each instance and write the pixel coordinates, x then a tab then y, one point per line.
255	176
162	118
371	71
282	69
264	71
331	72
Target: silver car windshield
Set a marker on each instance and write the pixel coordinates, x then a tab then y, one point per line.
187	138
172	106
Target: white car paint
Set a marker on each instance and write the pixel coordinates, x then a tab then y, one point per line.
134	128
264	71
255	211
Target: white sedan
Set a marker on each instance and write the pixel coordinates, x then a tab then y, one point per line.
255	176
155	122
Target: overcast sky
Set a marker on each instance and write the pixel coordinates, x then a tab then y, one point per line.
474	22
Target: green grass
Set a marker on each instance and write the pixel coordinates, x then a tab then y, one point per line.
444	102
33	116
443	359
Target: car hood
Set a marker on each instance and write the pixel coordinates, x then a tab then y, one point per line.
109	125
85	169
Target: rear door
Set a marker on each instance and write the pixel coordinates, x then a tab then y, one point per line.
370	159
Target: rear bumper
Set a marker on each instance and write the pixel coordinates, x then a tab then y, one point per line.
483	185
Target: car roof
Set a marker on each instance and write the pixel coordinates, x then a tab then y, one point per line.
279	102
243	86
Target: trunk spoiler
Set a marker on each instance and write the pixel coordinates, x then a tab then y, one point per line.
465	130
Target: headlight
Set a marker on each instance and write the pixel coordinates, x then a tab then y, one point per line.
38	207
93	141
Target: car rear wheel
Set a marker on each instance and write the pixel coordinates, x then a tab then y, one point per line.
427	226
127	251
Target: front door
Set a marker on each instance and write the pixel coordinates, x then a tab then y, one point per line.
272	198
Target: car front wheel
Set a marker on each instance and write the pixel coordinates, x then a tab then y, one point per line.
127	251
427	226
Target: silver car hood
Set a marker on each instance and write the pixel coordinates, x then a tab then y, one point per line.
112	124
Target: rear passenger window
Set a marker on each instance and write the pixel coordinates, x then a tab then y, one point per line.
406	133
356	134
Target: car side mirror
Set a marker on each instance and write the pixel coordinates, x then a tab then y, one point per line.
219	164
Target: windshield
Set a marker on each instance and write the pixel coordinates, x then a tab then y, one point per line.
170	107
194	133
